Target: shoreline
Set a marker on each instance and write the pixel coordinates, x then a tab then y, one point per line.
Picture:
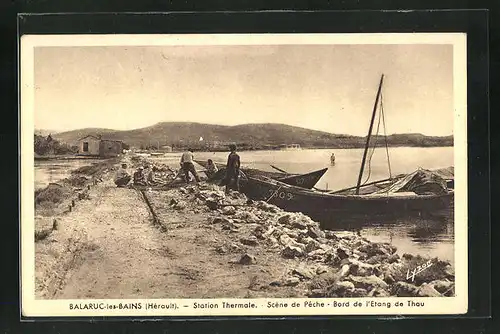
222	150
240	149
67	157
261	250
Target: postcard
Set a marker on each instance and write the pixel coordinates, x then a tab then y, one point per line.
243	174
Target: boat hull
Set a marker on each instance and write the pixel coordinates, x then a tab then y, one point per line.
306	181
248	171
330	207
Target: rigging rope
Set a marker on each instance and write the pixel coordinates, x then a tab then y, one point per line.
381	116
372	152
385	135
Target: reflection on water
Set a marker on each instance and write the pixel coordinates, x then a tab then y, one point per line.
432	236
50	171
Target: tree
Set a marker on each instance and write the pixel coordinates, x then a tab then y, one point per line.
44	146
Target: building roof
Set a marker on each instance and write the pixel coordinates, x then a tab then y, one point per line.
101	139
87	136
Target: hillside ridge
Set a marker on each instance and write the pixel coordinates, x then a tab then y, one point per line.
253	135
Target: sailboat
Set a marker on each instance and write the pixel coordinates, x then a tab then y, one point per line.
420	192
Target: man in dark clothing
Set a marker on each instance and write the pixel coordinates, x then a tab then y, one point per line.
233	170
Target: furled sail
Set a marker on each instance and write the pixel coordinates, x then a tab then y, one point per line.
421	182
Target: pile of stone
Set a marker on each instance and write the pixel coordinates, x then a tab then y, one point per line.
331	265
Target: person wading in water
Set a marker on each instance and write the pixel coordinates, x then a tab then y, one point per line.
188	166
232	170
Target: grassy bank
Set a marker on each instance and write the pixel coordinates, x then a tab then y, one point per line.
59	198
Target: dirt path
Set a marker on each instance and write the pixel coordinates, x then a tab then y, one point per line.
117	225
126	256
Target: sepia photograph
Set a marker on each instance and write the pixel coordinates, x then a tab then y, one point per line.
277	174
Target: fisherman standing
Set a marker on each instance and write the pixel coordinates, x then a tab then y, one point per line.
232	170
188	166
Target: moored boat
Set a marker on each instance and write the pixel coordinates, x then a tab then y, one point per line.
246	170
307	180
325	206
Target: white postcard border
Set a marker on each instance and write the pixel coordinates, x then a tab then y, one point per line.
32	307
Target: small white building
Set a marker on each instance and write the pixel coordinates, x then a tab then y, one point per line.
96	146
89	145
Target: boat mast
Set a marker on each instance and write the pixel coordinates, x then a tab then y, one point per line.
369	134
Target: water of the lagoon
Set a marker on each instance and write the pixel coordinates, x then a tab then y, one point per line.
410	235
50	171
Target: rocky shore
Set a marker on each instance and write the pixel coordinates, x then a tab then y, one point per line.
331	265
198	242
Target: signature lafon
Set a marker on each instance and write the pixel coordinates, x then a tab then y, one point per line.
418	269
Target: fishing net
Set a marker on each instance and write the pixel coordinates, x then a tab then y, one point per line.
421	182
446	173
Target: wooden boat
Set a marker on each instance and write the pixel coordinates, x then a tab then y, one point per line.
327	206
307	180
246	170
420	192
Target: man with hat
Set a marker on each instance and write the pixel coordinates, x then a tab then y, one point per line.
232	170
122	177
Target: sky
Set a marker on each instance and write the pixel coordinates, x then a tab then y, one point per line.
330	88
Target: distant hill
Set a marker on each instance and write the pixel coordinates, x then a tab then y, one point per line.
253	136
71	137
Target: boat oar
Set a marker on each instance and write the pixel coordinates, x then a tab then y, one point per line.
245	177
279	169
